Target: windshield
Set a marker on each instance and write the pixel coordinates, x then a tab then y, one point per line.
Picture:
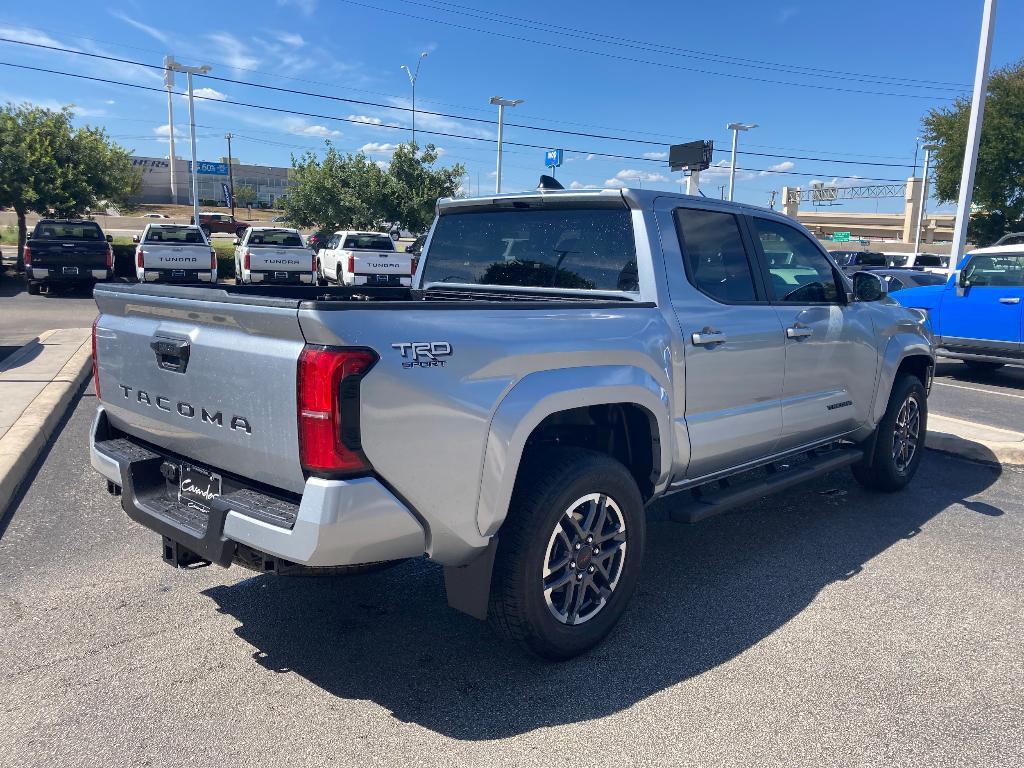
582	248
174	235
926	260
55	230
279	238
872	259
368	243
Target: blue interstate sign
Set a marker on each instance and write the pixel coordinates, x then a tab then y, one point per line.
553	158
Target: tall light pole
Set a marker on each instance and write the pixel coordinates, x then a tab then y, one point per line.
736	128
963	208
924	200
171	64
169	85
501	104
231	173
413	77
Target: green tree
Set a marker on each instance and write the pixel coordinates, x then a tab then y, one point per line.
342	191
48	166
244	195
999	180
416	185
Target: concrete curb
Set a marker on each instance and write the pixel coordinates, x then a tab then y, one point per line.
28	436
977	442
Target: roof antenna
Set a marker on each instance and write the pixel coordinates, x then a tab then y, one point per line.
548	183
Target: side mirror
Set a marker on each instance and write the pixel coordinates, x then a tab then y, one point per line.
867	286
238	241
964	281
110	238
136	238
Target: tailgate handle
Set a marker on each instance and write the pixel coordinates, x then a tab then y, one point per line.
171	354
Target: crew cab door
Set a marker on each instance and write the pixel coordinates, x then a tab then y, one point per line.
983	314
831	348
733	345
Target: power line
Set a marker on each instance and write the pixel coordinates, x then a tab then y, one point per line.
620	57
282	110
580	134
716	58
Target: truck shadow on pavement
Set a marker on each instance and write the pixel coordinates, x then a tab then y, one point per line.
708	593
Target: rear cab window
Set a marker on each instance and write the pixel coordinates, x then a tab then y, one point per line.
575	247
714	256
277	238
175	236
56	230
368	242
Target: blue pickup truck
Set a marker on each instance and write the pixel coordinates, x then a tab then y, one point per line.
976	316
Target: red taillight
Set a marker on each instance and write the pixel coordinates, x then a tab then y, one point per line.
245	260
351	264
110	256
27	256
95	362
328	400
213	259
140	258
314	264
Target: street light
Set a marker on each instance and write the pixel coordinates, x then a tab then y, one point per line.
924	201
169	85
501	104
413	77
736	128
174	66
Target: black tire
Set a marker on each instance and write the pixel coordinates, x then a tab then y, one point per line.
980	366
546	489
884	470
33	289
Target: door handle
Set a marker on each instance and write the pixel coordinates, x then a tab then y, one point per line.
708	337
798	332
1010	300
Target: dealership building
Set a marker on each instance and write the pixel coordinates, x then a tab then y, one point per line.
269	182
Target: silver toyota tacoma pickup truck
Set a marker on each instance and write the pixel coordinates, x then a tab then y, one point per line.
562	360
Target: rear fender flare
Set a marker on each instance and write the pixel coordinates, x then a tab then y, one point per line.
537	396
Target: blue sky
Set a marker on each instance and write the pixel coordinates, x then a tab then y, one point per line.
813	75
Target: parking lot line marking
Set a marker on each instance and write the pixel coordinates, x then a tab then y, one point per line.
978	389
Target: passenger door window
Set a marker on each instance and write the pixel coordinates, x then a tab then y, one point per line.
798	272
714	255
999	271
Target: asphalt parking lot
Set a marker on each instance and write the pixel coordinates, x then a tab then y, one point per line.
828	626
23	317
995	398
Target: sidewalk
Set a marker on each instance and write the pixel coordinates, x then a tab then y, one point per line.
37	385
975	441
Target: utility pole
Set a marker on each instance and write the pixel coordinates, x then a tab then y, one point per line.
412	81
169	85
924	201
501	104
963	208
171	64
231	173
721	191
736	128
771	201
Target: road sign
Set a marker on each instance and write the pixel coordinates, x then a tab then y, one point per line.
553	158
840	237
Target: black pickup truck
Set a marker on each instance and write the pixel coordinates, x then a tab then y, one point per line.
64	251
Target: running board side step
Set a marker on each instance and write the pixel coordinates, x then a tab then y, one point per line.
707	503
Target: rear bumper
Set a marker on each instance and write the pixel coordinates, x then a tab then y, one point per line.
391	280
335	522
286	278
57	274
147	275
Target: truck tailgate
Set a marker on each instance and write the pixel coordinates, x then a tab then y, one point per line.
381	263
212	381
264	258
163	256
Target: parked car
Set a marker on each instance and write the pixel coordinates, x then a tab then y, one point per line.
65	252
855	261
212	222
930	262
273	255
1011	238
566	359
155	216
174	253
900	279
364	258
976	316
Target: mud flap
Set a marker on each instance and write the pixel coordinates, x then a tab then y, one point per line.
469	586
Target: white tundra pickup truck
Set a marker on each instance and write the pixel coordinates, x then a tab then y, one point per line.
564	359
273	255
364	258
174	253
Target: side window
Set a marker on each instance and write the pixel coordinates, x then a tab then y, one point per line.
332	244
715	259
999	271
798	272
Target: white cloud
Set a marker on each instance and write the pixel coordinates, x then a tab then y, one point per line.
109	101
656	155
294	39
320	131
307	7
375	147
785	165
591	157
576	185
233	51
382	164
366	119
28	35
163	133
206	93
630	175
156	34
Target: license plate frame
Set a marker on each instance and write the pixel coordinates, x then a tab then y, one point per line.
177	273
70	270
198	494
280	275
